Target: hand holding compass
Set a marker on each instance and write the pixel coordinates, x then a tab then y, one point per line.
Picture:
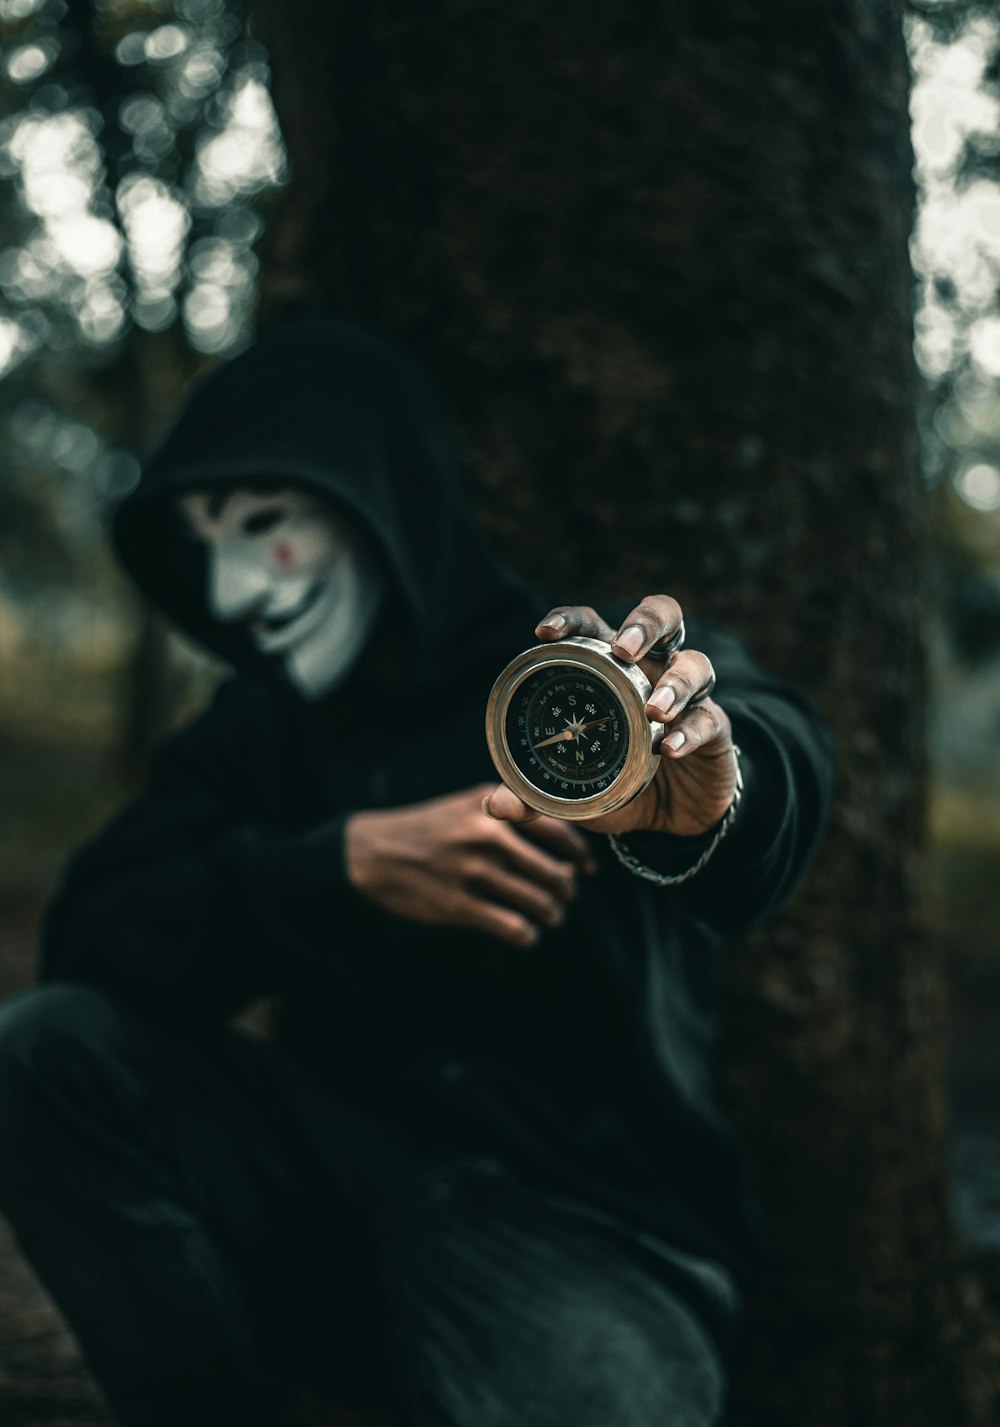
643	746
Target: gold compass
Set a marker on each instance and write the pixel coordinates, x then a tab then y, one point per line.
567	729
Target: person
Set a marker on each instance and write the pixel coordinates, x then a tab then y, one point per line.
479	1175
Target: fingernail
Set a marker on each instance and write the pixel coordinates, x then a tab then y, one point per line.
632	640
676	740
555	916
664	701
554	621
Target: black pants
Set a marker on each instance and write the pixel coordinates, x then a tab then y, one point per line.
217	1231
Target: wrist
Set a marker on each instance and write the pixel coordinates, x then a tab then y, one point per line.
693	796
357	859
686	855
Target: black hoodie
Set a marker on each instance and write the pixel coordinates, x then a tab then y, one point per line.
587	1064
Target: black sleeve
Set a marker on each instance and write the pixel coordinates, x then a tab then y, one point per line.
788	765
185	905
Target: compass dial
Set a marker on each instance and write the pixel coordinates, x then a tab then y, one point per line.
566	731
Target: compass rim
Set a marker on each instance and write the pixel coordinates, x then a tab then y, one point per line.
630	687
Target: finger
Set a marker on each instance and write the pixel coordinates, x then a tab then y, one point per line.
566	841
693	729
521	894
505	806
656	619
527	860
502	805
689	679
502	923
569	619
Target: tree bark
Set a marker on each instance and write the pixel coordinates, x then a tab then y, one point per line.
656	256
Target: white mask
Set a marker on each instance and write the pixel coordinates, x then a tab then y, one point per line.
298	573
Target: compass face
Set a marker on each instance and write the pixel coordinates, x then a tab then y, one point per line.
566	731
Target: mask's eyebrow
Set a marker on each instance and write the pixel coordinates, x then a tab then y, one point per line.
217	498
207	505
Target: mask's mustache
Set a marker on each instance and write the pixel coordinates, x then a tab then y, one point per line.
264	624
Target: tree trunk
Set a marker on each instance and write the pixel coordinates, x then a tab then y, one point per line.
656	256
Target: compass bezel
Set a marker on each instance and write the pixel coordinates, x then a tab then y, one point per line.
630	687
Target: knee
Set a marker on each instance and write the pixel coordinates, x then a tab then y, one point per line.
46	1034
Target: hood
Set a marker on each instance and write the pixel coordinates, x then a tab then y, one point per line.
328	405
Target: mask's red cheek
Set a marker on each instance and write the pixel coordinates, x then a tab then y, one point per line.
282	555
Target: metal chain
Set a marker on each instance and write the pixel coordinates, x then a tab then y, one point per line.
663	879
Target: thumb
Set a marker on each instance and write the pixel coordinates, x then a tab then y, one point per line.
507	807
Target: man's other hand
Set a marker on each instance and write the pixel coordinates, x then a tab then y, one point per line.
447	863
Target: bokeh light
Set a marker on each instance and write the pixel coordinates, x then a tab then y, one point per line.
984	345
19	9
956	242
156	222
25	63
138	211
246	155
979	486
12	344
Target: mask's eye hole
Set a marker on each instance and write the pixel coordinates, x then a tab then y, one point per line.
262	521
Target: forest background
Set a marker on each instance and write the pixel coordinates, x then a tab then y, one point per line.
146	179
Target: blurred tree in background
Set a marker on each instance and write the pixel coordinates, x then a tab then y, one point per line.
658	260
647	251
140	151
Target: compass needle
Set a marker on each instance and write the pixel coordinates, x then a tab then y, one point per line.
570	733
